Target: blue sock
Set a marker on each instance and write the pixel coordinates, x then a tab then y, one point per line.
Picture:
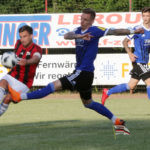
148	91
100	109
41	92
118	89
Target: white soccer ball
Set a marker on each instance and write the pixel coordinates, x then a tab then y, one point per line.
9	59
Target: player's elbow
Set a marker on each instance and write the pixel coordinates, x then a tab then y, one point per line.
125	42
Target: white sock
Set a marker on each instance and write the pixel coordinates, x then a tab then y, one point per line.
23	96
113	119
2	93
3	108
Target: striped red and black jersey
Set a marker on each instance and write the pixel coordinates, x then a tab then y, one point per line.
25	74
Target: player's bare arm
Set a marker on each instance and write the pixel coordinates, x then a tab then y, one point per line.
129	50
72	35
34	60
124	31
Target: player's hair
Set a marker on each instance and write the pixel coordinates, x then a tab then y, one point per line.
146	9
26	28
90	11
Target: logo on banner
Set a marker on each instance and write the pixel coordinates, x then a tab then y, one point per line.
62	31
108	70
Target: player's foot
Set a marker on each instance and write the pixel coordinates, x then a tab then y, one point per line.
120	127
119	122
104	96
16	96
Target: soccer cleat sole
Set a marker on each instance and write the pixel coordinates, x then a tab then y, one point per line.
121	129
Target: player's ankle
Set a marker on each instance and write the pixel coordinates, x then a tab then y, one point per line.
23	96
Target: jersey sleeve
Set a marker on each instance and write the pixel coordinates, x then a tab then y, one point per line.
100	31
37	51
75	30
133	36
37	54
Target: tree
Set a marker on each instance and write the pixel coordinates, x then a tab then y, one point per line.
23	6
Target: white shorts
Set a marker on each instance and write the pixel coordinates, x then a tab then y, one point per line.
15	84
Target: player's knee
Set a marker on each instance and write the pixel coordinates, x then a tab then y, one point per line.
86	95
4	83
131	86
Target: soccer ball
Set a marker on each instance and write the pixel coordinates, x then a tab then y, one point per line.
9	59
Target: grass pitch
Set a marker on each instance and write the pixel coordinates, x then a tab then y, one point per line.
62	123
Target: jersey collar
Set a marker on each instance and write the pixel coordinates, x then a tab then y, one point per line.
145	27
29	47
83	31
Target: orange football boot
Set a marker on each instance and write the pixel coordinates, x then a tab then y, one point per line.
16	96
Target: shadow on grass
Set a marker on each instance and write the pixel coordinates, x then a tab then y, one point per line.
74	135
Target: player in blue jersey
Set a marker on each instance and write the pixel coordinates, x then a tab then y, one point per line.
139	59
86	38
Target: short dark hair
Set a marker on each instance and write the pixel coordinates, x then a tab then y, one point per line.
26	28
146	9
90	11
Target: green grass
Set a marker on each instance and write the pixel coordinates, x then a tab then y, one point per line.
64	124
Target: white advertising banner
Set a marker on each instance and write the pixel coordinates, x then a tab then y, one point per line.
110	69
48	29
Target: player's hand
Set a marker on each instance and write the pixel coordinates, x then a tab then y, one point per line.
132	57
139	31
86	36
22	62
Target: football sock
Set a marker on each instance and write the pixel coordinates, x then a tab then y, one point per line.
118	89
2	93
113	119
100	109
3	108
39	93
148	91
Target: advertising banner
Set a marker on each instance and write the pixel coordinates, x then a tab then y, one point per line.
110	69
48	29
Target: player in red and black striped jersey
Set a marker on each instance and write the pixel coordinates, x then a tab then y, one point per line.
25	73
21	76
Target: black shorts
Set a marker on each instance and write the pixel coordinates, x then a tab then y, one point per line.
140	71
80	81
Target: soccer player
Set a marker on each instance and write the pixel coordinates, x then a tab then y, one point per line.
21	76
86	38
139	59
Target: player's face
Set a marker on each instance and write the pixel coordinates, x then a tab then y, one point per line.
146	17
26	38
86	21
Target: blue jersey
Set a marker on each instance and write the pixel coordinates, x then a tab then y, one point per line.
142	45
86	51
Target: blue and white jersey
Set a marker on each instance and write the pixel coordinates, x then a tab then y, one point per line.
86	51
141	45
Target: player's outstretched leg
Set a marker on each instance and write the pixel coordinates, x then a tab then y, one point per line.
116	89
40	93
119	124
104	111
